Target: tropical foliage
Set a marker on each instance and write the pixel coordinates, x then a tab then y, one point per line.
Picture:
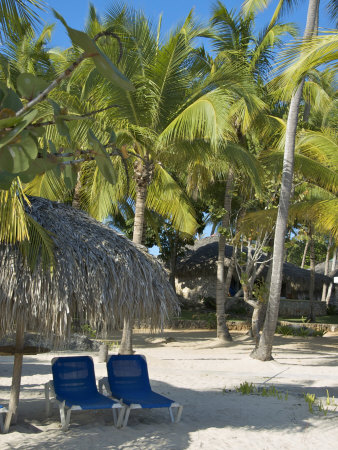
160	136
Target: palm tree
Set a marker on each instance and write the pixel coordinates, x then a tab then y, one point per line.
235	41
17	15
263	352
174	104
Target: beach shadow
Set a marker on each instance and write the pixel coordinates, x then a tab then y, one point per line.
228	410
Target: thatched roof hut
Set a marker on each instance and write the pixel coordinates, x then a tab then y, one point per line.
200	260
99	274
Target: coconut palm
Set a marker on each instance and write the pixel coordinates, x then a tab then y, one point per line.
263	352
174	104
235	40
16	15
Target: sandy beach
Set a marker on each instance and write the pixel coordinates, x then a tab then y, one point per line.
194	371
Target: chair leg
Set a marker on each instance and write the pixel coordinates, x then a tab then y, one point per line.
65	418
114	416
171	414
47	400
120	416
178	414
126	416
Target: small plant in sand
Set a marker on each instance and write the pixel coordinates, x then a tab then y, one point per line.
246	388
88	331
310	400
113	345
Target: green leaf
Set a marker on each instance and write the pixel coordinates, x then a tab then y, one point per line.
9	121
29	86
62	128
29	147
70	176
17	130
14	159
112	138
102	158
11	100
6	180
103	64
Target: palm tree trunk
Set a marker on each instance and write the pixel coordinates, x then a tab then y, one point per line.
143	172
222	329
126	347
312	274
304	254
173	260
263	352
326	268
333	267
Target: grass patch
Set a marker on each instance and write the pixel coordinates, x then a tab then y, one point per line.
315	405
330	319
192	315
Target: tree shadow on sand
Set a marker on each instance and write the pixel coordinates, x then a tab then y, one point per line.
151	428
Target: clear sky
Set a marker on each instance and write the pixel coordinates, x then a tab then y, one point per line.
75	12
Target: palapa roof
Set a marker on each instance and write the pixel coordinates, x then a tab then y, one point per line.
99	275
201	259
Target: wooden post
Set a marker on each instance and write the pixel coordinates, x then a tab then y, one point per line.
16	379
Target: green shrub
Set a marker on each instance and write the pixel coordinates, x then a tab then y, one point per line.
285	330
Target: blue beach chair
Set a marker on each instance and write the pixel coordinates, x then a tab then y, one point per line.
3	410
128	381
74	388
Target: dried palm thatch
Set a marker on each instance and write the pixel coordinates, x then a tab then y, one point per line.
99	275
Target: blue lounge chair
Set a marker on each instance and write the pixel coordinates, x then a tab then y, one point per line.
74	388
128	381
3	410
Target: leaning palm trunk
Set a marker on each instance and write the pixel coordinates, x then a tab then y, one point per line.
263	352
222	329
143	174
304	254
326	268
333	267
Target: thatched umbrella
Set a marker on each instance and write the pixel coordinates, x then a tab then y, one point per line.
98	273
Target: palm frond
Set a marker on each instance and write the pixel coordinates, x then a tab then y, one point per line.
168	199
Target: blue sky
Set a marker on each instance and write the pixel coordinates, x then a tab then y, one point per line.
75	12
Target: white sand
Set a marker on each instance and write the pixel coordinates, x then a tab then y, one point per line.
193	371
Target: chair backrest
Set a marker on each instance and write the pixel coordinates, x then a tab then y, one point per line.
128	372
73	375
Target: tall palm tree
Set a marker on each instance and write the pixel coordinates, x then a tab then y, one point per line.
174	104
235	41
263	352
